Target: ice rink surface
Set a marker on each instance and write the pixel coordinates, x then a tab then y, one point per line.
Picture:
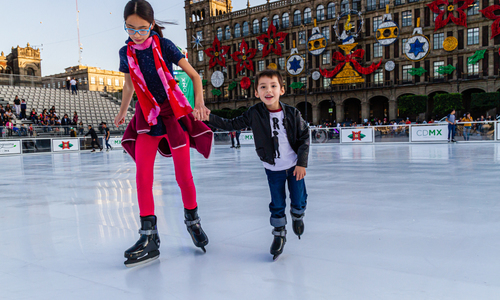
401	221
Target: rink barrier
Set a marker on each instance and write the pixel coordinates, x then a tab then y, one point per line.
486	131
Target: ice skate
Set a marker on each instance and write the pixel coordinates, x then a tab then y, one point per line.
200	239
146	249
278	242
298	224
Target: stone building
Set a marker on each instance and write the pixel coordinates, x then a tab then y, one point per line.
20	65
378	95
89	79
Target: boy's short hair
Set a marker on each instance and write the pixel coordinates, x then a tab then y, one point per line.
270	73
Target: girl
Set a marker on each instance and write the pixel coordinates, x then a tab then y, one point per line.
163	121
75	118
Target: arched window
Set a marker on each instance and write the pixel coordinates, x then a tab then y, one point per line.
356	4
344	5
245	29
265	24
285	20
255	26
307	16
276	21
219	33
30	72
320	13
237	32
227	32
297	18
331	10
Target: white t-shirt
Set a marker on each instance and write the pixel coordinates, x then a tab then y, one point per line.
285	156
72	82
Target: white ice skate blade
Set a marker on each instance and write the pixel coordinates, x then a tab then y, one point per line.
142	262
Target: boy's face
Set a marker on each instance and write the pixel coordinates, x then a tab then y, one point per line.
269	91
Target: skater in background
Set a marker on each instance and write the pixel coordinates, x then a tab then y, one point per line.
107	135
235	134
451	126
281	139
95	139
467	126
164	122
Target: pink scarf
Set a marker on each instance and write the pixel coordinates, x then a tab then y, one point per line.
149	105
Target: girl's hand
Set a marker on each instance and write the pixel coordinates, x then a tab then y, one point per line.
120	118
201	112
299	173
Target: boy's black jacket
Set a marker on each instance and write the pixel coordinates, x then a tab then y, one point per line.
257	117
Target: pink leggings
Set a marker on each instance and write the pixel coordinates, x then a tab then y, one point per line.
146	148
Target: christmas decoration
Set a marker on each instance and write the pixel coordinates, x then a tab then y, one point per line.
317	42
388	31
271	41
216	92
489	12
216	54
450	43
389	66
476	57
449	7
272	66
295	64
232	86
346	63
197	41
356	135
297	85
446	70
417	71
244	57
350	32
417	47
245	83
204	82
217	79
316	75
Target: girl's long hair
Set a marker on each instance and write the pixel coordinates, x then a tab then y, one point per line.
145	11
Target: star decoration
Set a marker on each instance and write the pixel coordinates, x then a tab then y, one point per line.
489	12
295	64
271	41
197	42
216	54
441	21
244	57
417	47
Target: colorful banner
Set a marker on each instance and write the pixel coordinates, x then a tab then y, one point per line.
10	147
60	145
356	135
431	133
186	85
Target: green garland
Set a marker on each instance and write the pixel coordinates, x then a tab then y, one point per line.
476	57
204	82
216	92
446	70
417	71
232	86
297	85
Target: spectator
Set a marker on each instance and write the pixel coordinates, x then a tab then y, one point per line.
7	107
65	122
75	118
30	130
72	132
23	110
408	121
2	111
10	114
17	105
467	126
51	123
80	128
451	126
68	83
73	86
23	131
10	126
431	121
34	116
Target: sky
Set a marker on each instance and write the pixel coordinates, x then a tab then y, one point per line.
52	23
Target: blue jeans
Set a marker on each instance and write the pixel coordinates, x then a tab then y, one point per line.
466	132
451	132
107	143
298	195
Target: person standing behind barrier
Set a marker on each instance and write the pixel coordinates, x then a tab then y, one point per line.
94	137
68	83
73	86
451	126
80	128
17	105
467	126
65	122
23	110
107	135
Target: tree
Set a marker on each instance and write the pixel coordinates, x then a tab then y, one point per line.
412	104
482	102
445	103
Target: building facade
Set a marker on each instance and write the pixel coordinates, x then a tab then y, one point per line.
89	79
378	95
20	65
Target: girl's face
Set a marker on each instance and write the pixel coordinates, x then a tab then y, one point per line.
136	22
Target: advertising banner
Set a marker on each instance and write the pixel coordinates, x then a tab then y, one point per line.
115	142
10	147
431	133
59	145
356	135
246	138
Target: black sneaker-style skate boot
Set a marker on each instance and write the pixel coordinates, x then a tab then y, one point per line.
297	224
146	248
200	239
278	242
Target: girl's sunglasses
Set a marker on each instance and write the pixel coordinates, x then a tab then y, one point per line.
131	31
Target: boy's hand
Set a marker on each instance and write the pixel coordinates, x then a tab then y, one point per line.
299	173
201	113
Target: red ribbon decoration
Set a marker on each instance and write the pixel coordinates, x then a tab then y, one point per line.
245	83
440	21
216	54
489	12
350	58
244	57
271	41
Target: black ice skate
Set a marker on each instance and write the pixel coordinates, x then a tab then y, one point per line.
298	224
200	239
146	248
278	242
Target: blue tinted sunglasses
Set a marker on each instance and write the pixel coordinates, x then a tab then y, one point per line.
131	31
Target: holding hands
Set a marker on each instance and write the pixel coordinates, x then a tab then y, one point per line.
201	112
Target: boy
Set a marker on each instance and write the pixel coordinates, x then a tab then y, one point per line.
281	139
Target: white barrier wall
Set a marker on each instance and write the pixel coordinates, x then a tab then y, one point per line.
59	145
430	133
10	147
246	138
115	142
356	135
